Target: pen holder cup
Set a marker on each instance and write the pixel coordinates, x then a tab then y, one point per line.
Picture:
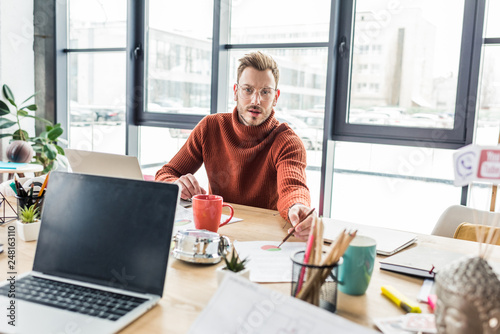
324	295
26	201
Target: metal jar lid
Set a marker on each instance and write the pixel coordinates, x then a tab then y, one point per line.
200	246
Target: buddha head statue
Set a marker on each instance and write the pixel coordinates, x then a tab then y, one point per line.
468	298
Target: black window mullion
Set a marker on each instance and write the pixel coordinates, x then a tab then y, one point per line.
470	63
276	45
337	20
94	50
135	61
61	42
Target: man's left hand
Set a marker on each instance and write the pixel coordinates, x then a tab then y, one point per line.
296	214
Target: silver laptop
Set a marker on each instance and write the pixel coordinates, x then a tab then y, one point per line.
101	257
104	164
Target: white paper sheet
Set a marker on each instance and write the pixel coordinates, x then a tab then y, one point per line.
240	306
268	266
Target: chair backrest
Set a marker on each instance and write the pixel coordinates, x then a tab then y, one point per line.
466	231
457	214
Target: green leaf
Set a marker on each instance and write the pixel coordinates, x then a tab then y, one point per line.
60	150
38	141
54	133
31	107
28	98
62	141
22	113
40	119
17	135
52	165
5	123
50	151
61	159
3	135
8	94
4	109
234	263
12	102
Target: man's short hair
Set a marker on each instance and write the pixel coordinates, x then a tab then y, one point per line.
260	61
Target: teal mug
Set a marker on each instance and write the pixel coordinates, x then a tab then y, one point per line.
356	269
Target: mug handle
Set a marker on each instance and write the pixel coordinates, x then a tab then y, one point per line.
230	216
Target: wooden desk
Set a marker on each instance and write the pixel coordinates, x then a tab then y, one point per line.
189	287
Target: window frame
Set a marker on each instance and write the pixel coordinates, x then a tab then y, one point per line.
467	84
337	92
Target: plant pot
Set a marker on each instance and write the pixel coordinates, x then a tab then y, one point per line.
28	232
221	272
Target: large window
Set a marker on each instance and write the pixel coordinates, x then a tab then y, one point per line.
188	72
405	63
96	72
380	92
488	122
404	72
383	72
179	56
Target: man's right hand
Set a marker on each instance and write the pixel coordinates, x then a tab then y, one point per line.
189	186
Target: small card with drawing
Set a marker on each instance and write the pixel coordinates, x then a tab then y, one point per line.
419	322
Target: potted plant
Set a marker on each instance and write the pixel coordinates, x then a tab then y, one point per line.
28	224
234	265
46	150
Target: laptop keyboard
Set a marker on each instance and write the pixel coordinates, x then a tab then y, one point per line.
75	298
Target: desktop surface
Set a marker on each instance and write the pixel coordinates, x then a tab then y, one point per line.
189	287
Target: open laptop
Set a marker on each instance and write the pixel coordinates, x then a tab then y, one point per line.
104	164
101	257
389	241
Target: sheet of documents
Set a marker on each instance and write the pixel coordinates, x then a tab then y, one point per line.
388	241
268	265
258	309
184	219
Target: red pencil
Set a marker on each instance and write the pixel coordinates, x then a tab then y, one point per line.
310	242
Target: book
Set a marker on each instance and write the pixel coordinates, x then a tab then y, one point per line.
419	261
388	241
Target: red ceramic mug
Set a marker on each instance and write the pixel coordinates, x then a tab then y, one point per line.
207	212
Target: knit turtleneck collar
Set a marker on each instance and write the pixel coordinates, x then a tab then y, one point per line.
253	133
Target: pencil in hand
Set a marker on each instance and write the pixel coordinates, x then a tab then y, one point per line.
293	229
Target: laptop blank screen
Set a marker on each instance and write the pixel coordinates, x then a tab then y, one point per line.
109	231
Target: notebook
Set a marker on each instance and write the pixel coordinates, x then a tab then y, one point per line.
102	250
388	241
104	164
419	261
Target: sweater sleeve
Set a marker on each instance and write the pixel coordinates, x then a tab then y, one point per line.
291	169
189	158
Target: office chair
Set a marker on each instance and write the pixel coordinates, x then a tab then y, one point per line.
453	216
466	231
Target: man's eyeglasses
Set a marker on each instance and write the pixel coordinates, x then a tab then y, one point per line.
246	93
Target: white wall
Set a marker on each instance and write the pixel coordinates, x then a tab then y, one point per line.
16	54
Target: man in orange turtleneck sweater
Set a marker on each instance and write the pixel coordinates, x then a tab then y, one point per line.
250	158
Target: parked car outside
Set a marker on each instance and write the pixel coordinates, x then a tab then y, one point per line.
310	138
109	114
80	115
